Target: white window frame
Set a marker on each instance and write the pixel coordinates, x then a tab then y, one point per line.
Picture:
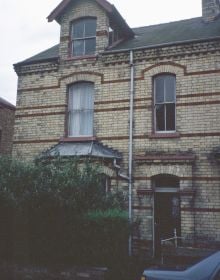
80	111
84	38
163	103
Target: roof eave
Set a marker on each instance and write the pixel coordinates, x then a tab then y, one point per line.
106	52
6	104
58	10
117	17
56	13
109	8
23	63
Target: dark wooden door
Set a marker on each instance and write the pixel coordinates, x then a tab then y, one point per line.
166	217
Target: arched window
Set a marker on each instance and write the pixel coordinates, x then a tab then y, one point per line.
165	103
80	108
83	37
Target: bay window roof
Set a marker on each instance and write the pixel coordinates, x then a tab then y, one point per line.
87	149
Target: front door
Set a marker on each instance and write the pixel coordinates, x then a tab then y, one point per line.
166	217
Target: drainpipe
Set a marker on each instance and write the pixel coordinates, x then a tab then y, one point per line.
123	176
130	155
130	152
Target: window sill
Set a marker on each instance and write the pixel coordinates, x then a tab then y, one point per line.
158	135
77	139
92	57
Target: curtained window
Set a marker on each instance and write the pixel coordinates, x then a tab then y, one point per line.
80	108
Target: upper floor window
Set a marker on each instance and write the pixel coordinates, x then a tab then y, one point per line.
165	103
83	37
80	108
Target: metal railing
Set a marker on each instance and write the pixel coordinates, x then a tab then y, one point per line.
175	238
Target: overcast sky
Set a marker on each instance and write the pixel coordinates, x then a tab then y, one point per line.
25	31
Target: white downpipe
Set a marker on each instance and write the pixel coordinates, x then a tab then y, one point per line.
130	156
123	176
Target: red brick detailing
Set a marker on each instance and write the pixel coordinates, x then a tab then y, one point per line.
144	191
183	67
111	109
35	141
202	72
120	80
151	191
82	73
87	57
135	207
102	33
39	115
122	101
77	139
164	135
211	179
37	89
113	138
41	107
198	95
138	137
119	109
165	157
202	178
151	136
161	64
205	134
116	81
198	103
212	210
64	39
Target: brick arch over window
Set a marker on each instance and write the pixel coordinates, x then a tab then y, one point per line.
72	78
164	67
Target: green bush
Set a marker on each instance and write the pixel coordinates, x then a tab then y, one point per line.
58	211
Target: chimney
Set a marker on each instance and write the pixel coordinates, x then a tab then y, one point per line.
210	10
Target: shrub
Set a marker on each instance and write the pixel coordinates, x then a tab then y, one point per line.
57	211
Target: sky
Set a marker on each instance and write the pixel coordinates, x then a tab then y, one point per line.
26	32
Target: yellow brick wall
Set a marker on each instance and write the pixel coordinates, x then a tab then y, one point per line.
41	117
6	129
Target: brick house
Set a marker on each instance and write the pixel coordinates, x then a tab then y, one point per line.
145	101
7	115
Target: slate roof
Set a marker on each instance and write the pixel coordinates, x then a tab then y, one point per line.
172	33
49	54
188	30
87	149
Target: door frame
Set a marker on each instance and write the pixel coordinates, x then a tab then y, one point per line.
160	190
